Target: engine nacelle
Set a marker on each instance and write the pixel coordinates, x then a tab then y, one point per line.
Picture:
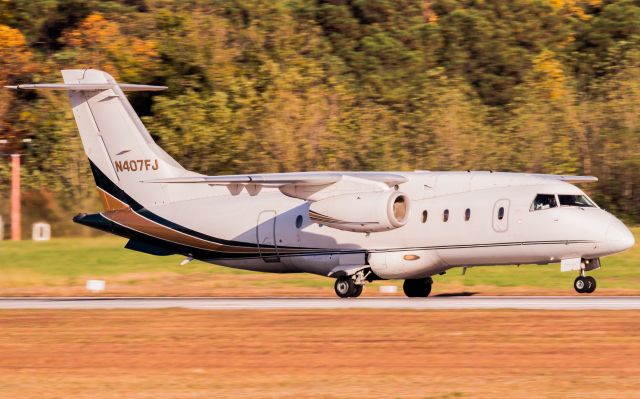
362	212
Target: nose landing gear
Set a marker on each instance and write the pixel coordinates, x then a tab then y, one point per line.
584	284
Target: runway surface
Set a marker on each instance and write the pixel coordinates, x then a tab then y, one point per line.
436	303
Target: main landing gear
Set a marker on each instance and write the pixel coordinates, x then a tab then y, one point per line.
351	286
584	284
417	288
346	287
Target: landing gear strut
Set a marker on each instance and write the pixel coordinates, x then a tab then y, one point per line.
346	287
584	284
417	288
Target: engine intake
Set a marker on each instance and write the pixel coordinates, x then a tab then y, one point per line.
362	212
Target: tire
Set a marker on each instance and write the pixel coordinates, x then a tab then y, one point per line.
417	288
357	290
591	284
580	284
344	287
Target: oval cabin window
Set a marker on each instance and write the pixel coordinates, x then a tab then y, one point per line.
467	215
425	215
445	215
501	213
299	221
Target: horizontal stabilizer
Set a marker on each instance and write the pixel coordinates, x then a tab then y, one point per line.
86	87
569	178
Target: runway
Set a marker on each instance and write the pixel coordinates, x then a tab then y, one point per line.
434	303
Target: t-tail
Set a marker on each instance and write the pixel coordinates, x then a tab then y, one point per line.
121	152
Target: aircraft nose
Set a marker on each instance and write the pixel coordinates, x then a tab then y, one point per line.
618	237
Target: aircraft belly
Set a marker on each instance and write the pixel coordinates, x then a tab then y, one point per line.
256	265
316	264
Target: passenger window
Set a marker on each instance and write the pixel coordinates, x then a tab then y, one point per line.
543	201
445	215
501	213
299	221
575	200
425	215
467	215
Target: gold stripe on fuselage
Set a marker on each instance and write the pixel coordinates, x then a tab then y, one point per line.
110	202
134	221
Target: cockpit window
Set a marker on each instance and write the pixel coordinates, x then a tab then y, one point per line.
575	200
543	201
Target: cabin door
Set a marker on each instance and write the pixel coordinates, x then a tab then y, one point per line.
266	236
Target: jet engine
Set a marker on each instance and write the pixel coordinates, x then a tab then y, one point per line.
362	212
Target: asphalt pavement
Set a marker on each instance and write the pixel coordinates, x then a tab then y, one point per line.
433	303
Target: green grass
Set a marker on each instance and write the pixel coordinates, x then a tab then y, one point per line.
76	257
70	261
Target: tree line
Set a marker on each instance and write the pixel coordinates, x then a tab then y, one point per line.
548	86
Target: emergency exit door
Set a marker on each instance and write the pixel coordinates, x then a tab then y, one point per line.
501	215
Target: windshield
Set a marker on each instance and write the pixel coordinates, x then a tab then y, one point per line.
543	201
575	200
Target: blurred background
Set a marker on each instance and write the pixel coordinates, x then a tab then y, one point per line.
272	86
548	86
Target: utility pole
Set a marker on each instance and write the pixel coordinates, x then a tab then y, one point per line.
16	227
16	212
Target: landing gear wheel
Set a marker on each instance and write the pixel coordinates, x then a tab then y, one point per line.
591	284
580	284
357	290
417	288
344	287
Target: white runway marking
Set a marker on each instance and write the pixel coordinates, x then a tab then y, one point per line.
434	303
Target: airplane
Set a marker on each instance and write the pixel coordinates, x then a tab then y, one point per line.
355	227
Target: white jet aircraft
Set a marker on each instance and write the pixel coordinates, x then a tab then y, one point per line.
356	227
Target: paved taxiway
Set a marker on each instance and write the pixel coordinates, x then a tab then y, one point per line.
436	303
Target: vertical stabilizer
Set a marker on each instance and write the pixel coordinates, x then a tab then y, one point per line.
115	140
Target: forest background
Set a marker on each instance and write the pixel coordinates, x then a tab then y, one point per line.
547	86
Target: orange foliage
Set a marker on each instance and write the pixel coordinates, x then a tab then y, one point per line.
575	7
15	57
15	60
100	43
428	14
551	77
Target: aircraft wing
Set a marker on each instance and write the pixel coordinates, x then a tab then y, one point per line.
280	179
568	178
312	186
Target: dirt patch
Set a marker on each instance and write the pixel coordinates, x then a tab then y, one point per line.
319	354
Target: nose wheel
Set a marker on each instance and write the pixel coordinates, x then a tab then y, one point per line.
584	284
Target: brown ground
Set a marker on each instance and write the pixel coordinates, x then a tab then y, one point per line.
319	354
